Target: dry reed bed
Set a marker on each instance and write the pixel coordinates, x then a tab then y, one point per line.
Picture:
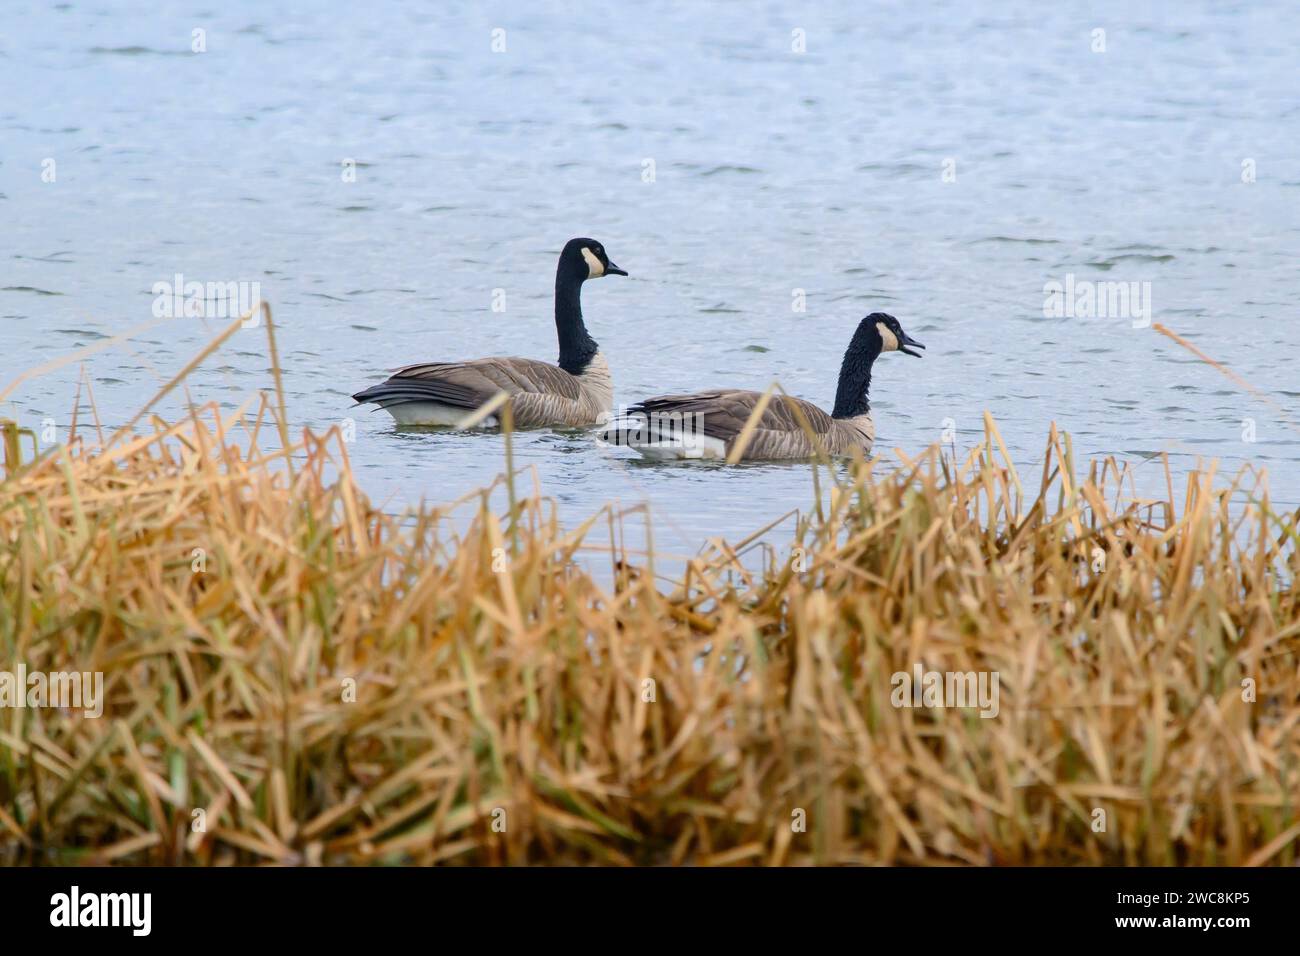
500	712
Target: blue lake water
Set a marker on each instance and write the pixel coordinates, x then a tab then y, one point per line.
942	163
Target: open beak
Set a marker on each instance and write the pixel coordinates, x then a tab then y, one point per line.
613	270
907	340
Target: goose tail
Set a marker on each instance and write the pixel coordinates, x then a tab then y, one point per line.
395	392
416	402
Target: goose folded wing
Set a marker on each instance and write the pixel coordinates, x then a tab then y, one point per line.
471	384
723	414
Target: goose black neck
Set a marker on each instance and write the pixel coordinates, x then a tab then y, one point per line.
576	347
855	374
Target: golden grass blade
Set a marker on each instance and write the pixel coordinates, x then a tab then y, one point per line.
751	425
179	377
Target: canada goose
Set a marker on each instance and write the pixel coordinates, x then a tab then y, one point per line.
707	424
577	391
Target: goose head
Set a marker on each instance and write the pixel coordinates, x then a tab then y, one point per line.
586	259
876	333
891	334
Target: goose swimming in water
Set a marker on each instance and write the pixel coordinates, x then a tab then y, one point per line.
707	424
577	391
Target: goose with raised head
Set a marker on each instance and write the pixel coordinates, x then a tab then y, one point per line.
578	390
708	424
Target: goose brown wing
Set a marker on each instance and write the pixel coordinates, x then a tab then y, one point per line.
723	414
470	384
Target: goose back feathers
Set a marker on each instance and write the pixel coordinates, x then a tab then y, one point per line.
540	393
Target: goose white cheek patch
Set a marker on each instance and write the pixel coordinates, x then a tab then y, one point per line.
594	266
889	338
